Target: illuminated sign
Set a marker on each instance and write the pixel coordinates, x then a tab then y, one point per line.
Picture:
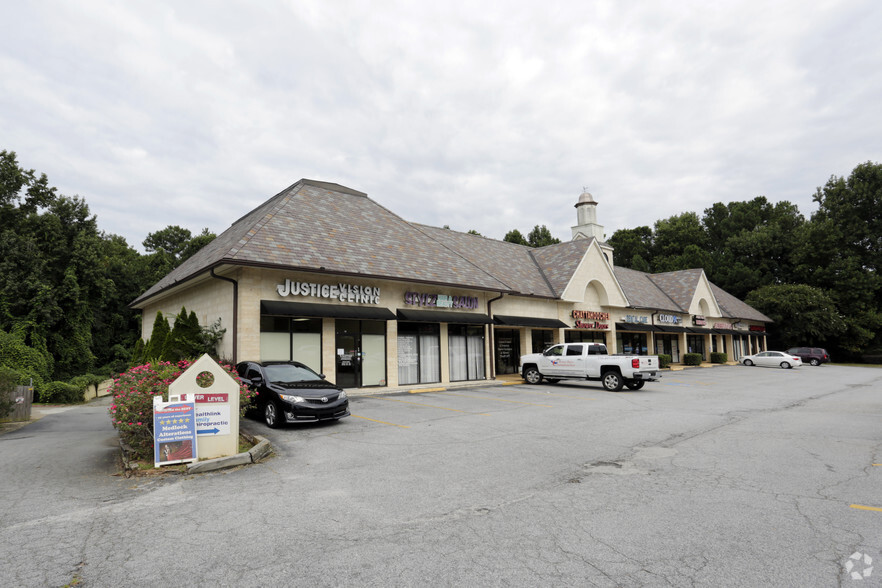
342	292
593	317
633	318
440	300
669	319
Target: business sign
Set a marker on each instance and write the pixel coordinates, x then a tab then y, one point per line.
213	419
722	326
440	300
669	319
699	321
589	319
636	319
758	328
340	291
174	432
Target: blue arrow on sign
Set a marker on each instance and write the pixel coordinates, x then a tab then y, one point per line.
214	431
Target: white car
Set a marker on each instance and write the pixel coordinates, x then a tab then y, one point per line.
772	359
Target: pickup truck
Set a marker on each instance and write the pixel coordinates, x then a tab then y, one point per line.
590	361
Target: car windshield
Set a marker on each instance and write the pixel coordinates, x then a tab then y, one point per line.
289	372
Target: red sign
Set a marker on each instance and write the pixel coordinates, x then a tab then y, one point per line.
760	328
204	398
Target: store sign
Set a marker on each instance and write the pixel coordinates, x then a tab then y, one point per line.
722	326
341	292
699	321
593	319
174	432
639	320
758	328
440	300
669	319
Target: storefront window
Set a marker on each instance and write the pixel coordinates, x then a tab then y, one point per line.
361	353
695	344
668	345
286	339
508	349
541	339
585	337
466	351
631	343
419	353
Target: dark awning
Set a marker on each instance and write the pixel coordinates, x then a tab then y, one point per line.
278	308
667	329
637	327
529	321
443	316
699	330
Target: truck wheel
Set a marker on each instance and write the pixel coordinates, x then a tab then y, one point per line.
532	375
612	381
634	384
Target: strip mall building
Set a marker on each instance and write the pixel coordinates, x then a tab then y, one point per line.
322	274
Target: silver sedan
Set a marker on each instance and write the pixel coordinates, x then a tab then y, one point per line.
772	359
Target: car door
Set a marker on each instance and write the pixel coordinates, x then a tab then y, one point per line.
550	362
574	360
771	358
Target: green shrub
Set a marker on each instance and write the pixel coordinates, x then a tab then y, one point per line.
716	357
27	361
692	359
9	379
133	393
664	360
61	393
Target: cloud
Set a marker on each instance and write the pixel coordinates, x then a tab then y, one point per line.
492	119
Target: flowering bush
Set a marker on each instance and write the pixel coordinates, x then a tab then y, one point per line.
133	393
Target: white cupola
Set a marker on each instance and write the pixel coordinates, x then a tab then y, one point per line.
586	217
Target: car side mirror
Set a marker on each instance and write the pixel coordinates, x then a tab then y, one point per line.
256	381
322	376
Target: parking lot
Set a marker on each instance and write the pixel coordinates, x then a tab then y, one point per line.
726	476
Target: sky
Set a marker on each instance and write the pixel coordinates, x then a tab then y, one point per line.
488	116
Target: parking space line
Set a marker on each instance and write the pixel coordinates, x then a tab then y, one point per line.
861	507
556	394
425	405
381	422
499	400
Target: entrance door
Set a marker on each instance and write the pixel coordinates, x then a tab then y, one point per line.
508	350
348	359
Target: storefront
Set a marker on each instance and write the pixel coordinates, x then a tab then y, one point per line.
323	275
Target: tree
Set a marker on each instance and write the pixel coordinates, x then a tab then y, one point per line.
172	246
515	236
631	243
802	315
671	239
474	232
540	237
156	343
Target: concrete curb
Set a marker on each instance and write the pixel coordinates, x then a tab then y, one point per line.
261	449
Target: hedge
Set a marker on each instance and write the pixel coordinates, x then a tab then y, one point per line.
61	393
716	357
692	359
664	360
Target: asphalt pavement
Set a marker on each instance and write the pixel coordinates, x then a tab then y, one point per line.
727	476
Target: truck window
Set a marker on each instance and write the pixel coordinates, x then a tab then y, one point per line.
597	350
574	350
556	350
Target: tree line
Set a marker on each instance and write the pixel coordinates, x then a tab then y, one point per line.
65	285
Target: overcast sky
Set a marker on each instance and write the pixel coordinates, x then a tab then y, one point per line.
477	115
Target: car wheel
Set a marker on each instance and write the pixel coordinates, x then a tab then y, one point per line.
748	363
814	361
532	375
634	384
612	381
273	415
552	380
785	365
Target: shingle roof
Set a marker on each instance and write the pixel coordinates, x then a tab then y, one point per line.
734	308
679	285
642	292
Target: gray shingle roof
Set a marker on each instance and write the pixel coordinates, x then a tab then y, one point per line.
643	292
734	308
679	285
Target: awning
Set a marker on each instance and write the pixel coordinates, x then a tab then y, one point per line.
667	329
699	330
636	327
443	316
278	308
529	321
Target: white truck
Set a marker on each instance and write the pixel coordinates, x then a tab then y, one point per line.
590	361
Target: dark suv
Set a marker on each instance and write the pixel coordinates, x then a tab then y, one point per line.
290	392
812	355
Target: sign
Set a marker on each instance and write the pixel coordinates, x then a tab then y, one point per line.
341	291
174	432
440	300
699	320
636	319
213	420
593	318
212	397
669	319
758	328
722	326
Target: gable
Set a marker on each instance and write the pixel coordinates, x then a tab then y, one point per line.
594	281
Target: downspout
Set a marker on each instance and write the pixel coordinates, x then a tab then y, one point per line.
235	312
492	348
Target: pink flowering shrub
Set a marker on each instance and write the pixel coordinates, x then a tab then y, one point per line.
133	393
